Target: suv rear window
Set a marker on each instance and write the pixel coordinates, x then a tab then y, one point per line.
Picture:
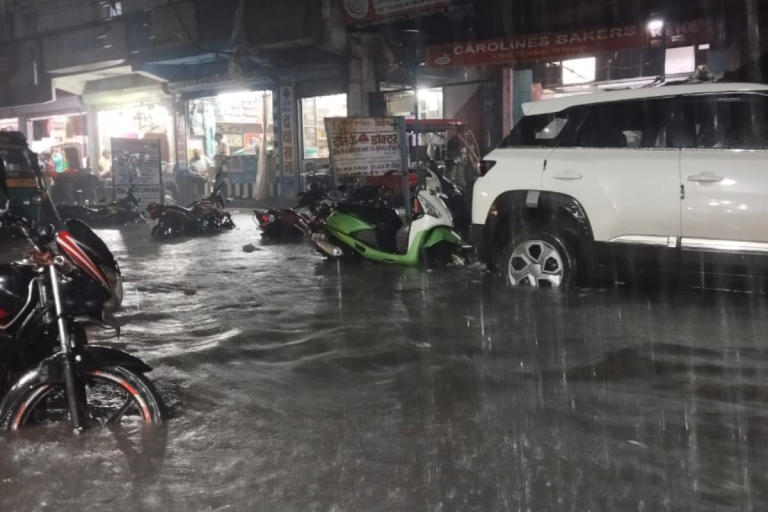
537	131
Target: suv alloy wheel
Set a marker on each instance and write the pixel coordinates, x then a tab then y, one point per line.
538	259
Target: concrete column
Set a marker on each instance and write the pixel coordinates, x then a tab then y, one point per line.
22	122
362	75
522	92
94	144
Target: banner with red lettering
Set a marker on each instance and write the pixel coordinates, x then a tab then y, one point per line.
365	146
562	44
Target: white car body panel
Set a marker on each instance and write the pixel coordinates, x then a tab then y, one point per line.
625	192
515	169
560	104
733	209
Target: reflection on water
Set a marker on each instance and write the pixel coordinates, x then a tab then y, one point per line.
296	384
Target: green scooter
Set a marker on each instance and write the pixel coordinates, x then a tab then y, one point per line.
381	235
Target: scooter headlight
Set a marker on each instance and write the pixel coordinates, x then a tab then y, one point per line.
431	210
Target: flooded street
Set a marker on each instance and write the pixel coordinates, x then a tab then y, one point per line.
296	384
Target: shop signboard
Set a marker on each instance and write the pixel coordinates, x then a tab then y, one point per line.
366	146
559	45
287	128
362	13
137	162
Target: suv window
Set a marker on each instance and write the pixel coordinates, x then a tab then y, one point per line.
725	122
628	124
539	130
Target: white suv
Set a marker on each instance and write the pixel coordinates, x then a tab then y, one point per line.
674	176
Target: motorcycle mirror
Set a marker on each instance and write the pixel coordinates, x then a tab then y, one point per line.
48	233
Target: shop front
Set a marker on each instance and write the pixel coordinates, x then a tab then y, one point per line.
551	64
315	151
62	138
244	121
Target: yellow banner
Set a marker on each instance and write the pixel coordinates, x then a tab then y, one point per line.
22	183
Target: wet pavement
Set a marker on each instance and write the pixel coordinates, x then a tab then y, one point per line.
300	385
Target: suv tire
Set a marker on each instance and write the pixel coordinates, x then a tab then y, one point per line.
539	258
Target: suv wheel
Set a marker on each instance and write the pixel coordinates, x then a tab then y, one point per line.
538	259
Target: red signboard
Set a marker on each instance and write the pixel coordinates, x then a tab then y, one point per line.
372	12
558	45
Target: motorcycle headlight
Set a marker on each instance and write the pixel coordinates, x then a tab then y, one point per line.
116	285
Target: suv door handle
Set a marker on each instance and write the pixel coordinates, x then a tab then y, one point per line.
705	177
567	175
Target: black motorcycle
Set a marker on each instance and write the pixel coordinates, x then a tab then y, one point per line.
117	213
48	371
203	216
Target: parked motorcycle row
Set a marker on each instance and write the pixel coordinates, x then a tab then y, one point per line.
370	222
203	216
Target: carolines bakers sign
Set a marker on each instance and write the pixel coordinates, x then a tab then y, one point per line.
561	44
535	47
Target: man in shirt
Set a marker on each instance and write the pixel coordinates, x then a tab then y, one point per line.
200	168
105	165
58	161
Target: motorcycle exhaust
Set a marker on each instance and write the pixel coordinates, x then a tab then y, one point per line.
329	250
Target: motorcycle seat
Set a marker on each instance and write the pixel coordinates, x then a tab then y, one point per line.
385	221
379	217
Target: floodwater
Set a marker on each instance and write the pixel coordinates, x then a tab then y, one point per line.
300	385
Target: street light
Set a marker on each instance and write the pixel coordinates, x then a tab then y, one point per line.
657	29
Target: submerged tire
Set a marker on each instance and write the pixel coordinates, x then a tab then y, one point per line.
131	396
539	259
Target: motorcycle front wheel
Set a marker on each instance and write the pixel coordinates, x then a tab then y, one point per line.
112	395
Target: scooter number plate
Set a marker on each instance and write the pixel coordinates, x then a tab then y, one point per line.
318	237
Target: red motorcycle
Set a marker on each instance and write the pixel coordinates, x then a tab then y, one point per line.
298	222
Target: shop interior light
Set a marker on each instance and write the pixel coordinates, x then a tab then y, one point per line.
655	24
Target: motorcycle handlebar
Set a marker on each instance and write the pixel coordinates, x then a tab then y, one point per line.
23	227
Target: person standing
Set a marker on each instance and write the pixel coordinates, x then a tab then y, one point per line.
105	165
222	152
200	167
59	164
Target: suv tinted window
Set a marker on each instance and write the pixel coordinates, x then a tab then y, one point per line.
629	124
541	130
726	122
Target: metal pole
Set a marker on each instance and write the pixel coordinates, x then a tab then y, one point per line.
404	158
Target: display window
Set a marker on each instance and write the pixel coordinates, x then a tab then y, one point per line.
313	114
429	103
137	122
242	118
65	137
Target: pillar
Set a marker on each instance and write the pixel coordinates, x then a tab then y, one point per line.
94	142
362	75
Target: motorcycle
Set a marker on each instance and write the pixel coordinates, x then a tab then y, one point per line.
48	371
120	212
296	222
379	233
206	215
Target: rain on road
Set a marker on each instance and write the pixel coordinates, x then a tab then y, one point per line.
295	384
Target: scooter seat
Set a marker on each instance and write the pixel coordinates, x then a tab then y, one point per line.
378	217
